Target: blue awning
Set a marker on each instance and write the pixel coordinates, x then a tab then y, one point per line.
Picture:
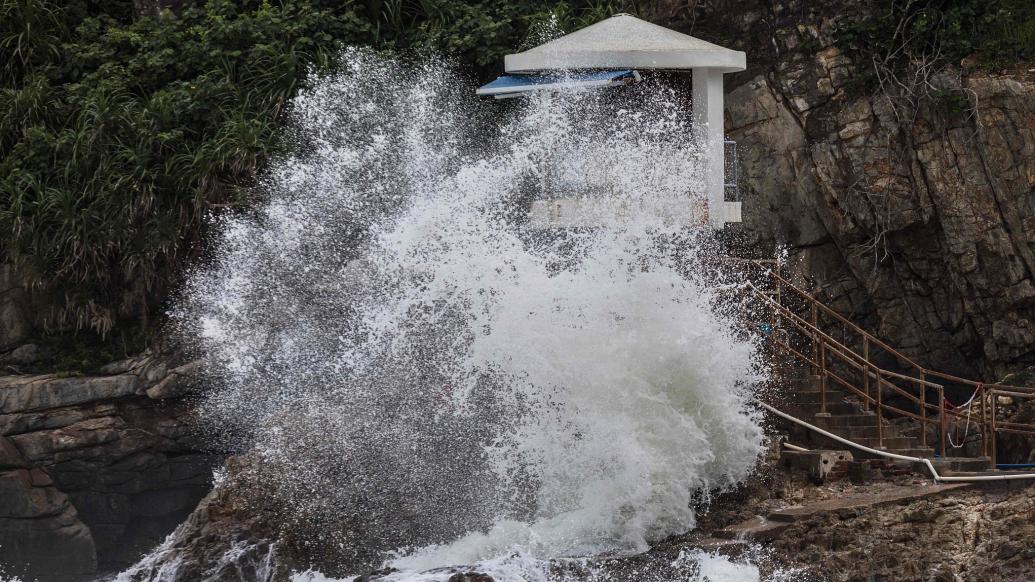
515	85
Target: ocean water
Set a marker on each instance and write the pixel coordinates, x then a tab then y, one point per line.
427	380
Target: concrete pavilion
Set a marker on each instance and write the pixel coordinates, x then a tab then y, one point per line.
612	52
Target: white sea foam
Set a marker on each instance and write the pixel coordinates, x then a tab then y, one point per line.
401	348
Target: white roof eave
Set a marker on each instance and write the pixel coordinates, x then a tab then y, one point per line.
727	61
626	42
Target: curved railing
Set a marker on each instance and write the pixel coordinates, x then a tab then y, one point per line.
838	350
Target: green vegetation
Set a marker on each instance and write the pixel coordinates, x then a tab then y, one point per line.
86	351
907	35
120	132
996	32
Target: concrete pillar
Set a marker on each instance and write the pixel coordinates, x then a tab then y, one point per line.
708	119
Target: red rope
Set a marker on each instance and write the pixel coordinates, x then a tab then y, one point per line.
977	390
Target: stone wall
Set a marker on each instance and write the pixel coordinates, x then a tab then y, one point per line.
916	219
95	471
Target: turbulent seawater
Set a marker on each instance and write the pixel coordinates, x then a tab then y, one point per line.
410	360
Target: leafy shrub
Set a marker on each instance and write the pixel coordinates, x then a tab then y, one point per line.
120	133
902	33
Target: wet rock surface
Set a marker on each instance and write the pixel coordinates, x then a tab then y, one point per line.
219	541
974	534
902	528
238	533
95	472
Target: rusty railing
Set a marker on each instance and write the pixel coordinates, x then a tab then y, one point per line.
840	352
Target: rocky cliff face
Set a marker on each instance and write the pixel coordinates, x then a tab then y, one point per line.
95	471
916	215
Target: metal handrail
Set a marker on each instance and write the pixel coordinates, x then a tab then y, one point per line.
824	345
874	340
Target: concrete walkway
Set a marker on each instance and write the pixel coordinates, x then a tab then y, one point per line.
765	529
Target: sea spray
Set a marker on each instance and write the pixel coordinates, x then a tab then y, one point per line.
423	376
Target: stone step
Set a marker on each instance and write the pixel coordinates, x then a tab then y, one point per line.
812	396
864	432
846	420
986	473
889	443
949	465
834	408
801	382
916	451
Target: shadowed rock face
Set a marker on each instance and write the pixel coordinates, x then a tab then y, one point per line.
39	525
916	219
15	324
95	471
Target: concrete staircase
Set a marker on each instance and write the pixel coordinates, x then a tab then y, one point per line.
802	331
848	418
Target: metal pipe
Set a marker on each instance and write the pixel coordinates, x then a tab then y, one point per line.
1027	390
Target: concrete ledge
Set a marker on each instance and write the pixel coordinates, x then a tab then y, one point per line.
820	465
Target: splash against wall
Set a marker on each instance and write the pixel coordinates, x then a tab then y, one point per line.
405	354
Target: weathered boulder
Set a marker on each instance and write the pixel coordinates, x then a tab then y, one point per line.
23	355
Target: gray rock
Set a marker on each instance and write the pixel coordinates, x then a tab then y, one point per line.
24	355
215	543
177	383
28	393
11	424
10	456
